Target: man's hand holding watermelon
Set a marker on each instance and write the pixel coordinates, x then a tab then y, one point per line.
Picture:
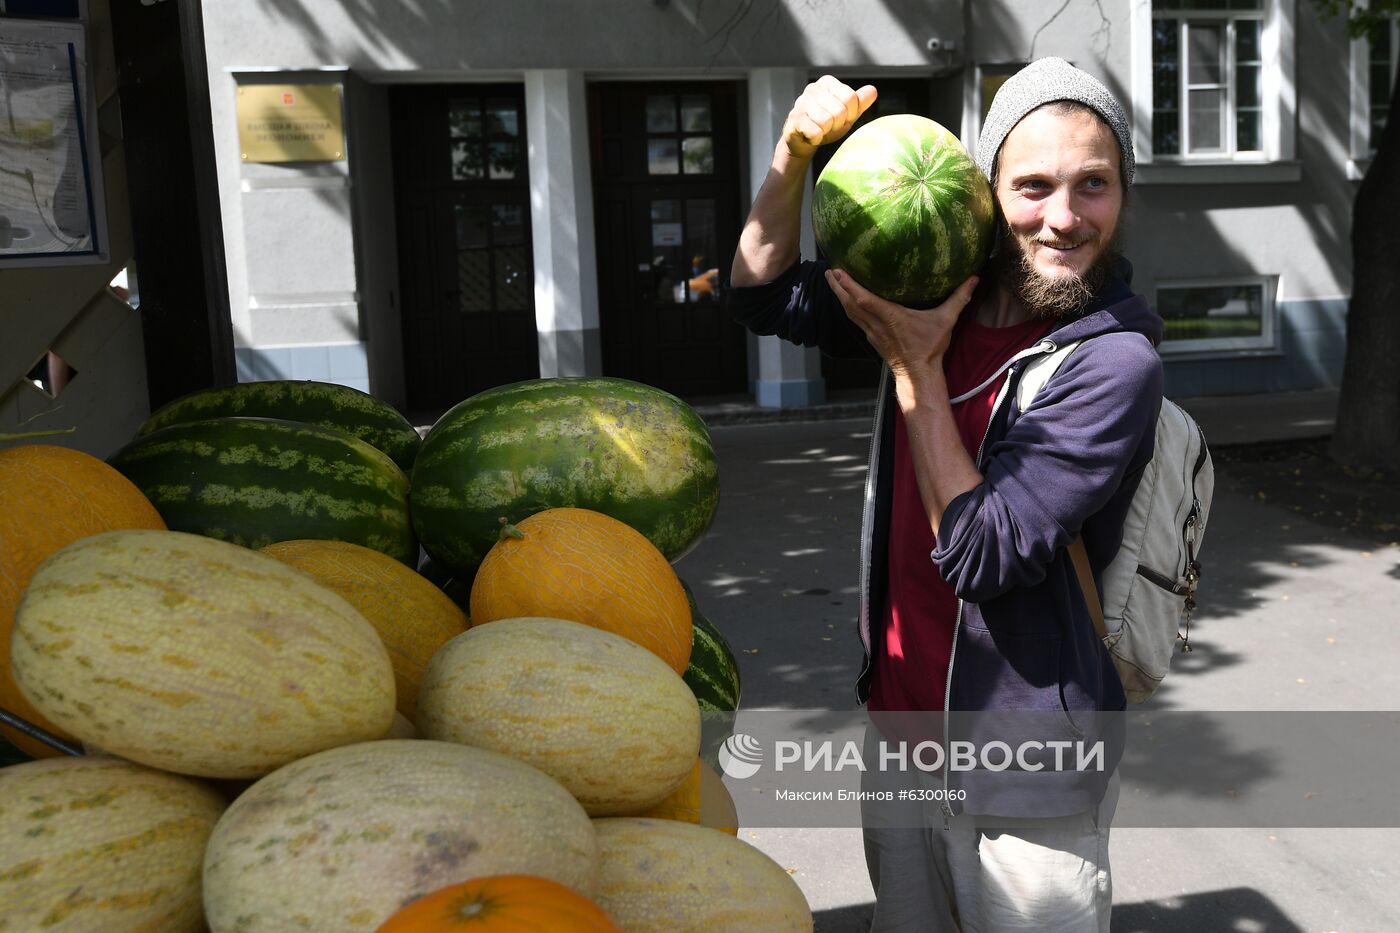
913	344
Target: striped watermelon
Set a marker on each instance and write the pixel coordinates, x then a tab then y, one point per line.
902	207
253	481
376	423
713	674
625	449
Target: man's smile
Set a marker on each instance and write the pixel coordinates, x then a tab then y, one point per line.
1064	249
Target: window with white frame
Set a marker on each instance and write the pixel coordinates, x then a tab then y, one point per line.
1202	315
1373	65
1207	78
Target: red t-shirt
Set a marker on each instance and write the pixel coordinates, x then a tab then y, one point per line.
911	660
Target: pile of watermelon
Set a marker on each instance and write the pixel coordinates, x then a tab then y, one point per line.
321	669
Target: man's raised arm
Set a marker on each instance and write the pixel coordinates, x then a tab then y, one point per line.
769	242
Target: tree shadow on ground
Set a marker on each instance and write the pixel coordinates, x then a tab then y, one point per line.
1226	909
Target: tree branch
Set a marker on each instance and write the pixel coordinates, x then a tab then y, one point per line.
1030	56
1105	27
726	29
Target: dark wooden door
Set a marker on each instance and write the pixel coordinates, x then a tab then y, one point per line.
666	186
465	258
908	95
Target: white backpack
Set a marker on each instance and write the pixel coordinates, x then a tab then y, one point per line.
1149	590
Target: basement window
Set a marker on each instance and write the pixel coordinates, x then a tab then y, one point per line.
1208	315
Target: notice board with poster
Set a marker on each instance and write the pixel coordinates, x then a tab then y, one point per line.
52	206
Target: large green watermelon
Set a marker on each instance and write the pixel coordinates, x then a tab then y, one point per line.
614	446
253	481
902	207
375	422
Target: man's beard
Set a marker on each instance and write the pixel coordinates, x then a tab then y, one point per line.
1062	298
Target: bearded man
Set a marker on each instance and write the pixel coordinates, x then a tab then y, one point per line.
970	601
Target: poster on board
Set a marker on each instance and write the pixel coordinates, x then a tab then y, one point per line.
52	209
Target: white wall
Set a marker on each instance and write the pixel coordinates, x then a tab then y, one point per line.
1295	228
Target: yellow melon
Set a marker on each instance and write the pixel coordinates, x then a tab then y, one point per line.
602	715
664	875
197	656
588	567
50	497
342	839
702	799
102	844
413	617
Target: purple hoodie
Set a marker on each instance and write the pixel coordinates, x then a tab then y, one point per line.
1070	464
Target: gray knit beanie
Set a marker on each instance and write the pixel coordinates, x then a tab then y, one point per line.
1041	82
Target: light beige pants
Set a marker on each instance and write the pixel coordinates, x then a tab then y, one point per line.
989	876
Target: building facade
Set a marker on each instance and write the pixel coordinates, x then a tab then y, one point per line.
548	189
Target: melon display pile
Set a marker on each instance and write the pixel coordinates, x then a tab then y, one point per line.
277	713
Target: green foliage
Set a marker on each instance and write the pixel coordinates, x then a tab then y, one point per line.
1364	19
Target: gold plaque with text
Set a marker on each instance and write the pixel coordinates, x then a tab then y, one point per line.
291	123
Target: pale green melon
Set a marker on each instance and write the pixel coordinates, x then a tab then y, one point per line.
604	716
342	839
197	656
101	844
664	875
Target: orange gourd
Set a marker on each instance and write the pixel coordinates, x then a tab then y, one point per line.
586	567
502	904
50	497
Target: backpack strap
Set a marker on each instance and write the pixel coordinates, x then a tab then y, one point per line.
1080	557
1049	356
1043	347
1039	371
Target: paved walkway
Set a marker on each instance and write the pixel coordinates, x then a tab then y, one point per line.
1293	616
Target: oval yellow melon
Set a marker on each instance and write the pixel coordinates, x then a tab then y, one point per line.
50	497
413	618
588	567
197	656
102	844
600	714
344	838
663	875
702	799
